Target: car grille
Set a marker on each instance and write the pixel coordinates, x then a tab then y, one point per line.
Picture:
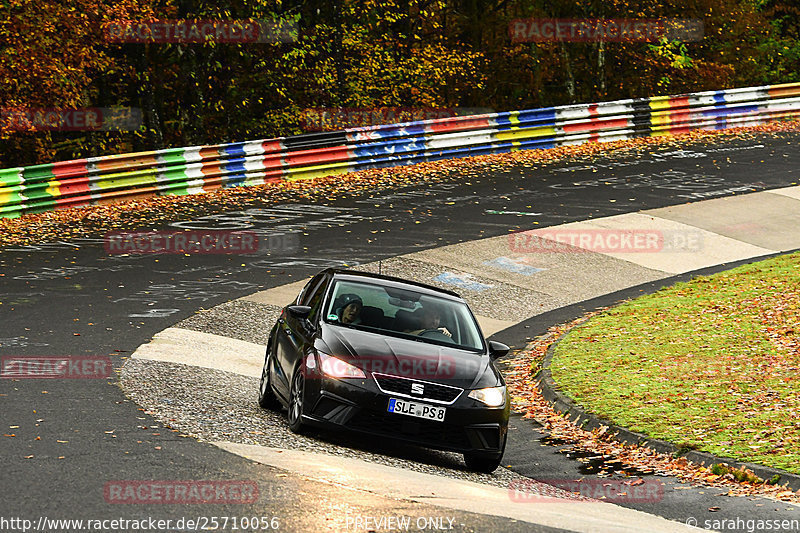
433	392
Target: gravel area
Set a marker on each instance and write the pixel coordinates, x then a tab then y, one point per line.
212	405
238	319
220	406
494	302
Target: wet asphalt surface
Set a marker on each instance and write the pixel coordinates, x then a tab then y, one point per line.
72	437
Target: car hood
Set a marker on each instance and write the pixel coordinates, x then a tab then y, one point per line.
407	358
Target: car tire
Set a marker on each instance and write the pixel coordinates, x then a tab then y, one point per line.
267	398
483	463
296	401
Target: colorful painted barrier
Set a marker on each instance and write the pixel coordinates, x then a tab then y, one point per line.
197	169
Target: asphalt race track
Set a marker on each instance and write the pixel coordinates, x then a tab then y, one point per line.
71	438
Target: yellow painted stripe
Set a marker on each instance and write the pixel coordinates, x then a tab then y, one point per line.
125	179
318	171
527	133
659	102
53	188
660	119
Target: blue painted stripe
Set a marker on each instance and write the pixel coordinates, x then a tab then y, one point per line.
233	180
462	152
234	172
528	117
389	162
234	149
729	110
393	147
546	115
413	128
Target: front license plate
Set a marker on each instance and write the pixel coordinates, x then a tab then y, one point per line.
419	410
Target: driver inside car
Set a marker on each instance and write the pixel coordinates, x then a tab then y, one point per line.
431	317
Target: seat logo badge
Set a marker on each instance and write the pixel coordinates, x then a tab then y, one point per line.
417	388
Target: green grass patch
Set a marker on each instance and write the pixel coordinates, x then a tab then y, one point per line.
712	364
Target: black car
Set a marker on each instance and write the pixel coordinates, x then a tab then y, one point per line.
390	357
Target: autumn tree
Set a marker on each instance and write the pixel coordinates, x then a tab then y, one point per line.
53	55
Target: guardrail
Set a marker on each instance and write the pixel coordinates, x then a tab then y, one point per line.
197	169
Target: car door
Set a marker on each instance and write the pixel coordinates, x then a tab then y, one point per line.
292	334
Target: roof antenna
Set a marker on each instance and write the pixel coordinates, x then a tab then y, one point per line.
379	267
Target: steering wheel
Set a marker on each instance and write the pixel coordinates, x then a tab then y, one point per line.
434	333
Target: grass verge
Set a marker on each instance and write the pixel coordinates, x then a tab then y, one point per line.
711	364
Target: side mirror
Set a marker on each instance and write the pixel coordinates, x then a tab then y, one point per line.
497	350
299	311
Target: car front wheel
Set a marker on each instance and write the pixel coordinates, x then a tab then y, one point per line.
296	402
483	463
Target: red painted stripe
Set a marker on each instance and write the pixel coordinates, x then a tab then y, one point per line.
272	146
595	125
273	162
210	169
682	129
786	90
73	181
114	197
274	176
74	201
70	188
68	169
680	116
456	123
209	152
679	102
127	162
323	155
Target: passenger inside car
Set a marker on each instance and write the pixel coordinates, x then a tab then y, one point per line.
349	309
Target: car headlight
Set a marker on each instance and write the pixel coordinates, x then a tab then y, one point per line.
336	368
491	396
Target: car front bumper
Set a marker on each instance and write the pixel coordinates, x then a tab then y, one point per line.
359	405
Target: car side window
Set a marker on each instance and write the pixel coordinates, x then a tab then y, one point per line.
308	291
315	298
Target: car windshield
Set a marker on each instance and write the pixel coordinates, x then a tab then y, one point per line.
403	312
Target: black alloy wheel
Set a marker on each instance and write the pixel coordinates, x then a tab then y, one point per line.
296	401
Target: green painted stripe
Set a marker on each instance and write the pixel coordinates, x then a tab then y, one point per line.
174	181
11	186
38	173
10	211
173	155
10	177
125	180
